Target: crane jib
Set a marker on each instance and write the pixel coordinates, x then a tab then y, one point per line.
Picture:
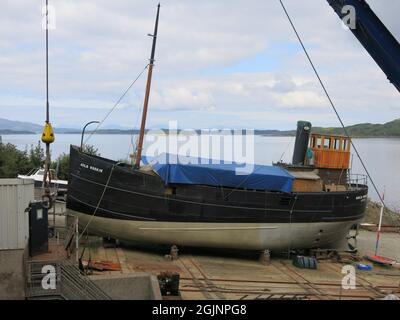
374	36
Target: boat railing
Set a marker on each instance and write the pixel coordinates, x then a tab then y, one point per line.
356	181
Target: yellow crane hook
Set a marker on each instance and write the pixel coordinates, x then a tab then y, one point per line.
48	133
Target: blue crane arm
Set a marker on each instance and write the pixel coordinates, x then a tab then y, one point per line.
374	36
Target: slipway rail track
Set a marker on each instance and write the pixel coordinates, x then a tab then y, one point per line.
300	288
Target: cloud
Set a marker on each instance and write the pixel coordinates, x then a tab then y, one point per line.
64	103
182	98
284	85
209	63
300	99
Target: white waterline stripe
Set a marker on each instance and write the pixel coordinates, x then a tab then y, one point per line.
209	228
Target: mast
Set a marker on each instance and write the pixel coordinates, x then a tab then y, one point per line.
147	94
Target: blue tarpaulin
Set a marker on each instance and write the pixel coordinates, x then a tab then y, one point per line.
187	170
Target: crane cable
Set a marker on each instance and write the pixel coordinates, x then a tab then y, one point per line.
331	103
48	133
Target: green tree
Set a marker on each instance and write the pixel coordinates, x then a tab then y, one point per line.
61	164
89	149
12	161
36	156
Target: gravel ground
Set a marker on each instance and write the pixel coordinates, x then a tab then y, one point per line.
389	244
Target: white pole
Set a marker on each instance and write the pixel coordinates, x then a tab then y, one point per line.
378	233
380	219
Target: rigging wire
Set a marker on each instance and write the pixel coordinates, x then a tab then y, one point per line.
116	104
331	102
99	202
286	149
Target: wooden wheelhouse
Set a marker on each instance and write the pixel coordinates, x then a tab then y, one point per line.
330	151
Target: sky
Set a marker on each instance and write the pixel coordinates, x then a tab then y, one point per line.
219	64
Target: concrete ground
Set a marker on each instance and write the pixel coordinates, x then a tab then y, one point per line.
120	287
389	244
12	284
222	274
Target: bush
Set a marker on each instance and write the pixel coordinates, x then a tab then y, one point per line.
13	161
61	165
91	150
36	156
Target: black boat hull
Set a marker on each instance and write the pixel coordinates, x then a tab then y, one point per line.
129	204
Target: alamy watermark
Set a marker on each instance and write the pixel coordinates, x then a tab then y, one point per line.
206	146
350	17
49	278
349	279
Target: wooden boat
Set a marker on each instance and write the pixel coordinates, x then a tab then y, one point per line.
314	210
311	203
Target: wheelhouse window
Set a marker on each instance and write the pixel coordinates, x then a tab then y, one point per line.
319	142
327	143
312	144
345	145
336	144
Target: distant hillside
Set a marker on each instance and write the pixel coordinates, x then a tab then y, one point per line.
389	129
256	132
66	130
6	131
275	133
19	126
